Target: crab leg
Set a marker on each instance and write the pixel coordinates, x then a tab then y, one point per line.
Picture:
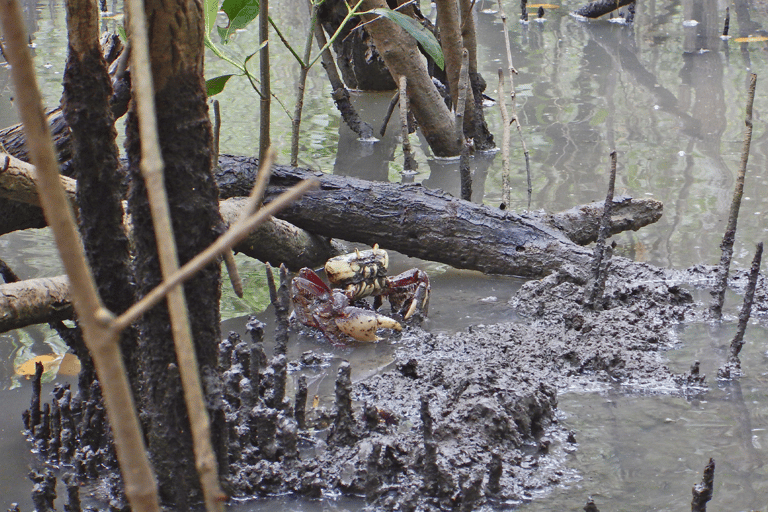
362	324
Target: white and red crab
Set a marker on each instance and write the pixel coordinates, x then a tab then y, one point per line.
336	311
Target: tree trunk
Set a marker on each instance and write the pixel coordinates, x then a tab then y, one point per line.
47	299
176	51
95	162
401	55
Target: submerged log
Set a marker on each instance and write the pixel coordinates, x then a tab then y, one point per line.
600	7
433	225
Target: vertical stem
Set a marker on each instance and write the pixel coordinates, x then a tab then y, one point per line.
464	90
266	90
504	143
140	486
409	164
296	121
513	95
595	289
152	170
726	246
746	309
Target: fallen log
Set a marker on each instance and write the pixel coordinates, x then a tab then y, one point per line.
410	219
600	7
430	224
276	241
34	301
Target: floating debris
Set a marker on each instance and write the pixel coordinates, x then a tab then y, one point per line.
751	39
59	364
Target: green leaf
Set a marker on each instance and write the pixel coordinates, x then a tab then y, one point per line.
211	10
424	37
240	14
215	85
121	32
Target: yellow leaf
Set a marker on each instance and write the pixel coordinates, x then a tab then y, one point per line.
28	368
63	364
751	39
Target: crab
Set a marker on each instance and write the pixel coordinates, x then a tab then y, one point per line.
340	312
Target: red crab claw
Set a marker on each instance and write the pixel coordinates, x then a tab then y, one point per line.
362	324
310	295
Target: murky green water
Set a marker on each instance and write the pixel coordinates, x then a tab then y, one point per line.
666	93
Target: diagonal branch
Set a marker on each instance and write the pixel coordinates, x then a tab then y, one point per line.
140	487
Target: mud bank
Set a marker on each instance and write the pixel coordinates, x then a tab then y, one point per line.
464	420
469	419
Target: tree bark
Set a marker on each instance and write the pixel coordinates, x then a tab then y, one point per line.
34	301
422	223
276	241
95	164
600	7
401	55
176	54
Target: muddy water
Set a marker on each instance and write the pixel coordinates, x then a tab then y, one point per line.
668	94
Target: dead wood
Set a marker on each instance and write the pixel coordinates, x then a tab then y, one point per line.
581	223
430	224
34	301
276	241
600	7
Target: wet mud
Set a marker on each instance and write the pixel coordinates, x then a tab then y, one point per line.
464	420
468	419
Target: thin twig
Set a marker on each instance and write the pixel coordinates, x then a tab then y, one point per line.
265	103
464	90
296	121
152	171
140	486
229	239
513	95
409	164
602	253
505	199
216	133
726	246
732	368
390	109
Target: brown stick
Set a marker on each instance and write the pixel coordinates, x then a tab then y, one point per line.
732	368
746	309
296	121
152	171
726	246
513	95
602	254
702	492
140	487
266	90
505	199
409	164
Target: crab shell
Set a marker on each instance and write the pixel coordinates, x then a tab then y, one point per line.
316	305
361	273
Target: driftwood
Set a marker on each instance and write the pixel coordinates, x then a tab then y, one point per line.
409	219
432	224
600	7
275	241
34	301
